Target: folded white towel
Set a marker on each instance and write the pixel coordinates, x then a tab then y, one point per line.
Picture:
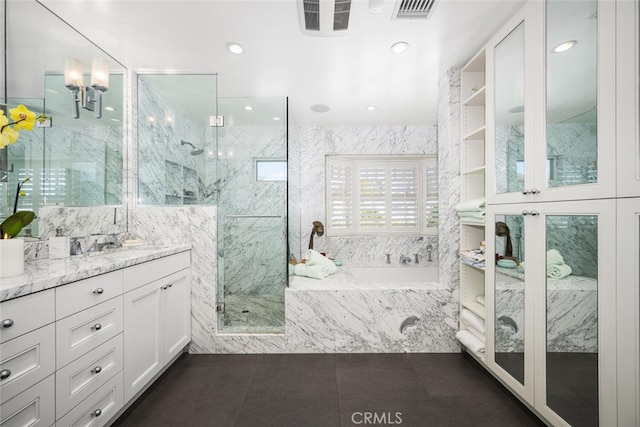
313	271
472	320
559	271
471	205
472	214
554	258
476	333
473	220
315	258
472	343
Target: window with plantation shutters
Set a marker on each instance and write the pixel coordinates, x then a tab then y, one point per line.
390	195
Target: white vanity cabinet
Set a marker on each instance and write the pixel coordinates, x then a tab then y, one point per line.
68	355
157	318
27	360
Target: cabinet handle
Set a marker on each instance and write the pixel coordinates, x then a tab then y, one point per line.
98	291
4	374
96	413
7	323
96	327
96	370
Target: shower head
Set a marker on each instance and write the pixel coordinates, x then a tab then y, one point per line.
194	151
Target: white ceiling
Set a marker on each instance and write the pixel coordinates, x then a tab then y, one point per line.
347	73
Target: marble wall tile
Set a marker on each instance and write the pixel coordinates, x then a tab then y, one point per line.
351	321
449	181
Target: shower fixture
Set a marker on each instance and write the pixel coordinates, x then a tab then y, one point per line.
194	151
318	229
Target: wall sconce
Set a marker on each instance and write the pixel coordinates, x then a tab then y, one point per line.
89	97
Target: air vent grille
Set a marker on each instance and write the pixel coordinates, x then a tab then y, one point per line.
412	9
312	14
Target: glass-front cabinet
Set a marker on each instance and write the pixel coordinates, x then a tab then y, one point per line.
552	290
551	108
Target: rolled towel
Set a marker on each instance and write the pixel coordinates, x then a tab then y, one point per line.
472	343
472	205
316	258
476	333
554	258
558	271
313	271
472	320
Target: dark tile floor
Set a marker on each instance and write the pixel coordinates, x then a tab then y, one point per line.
324	390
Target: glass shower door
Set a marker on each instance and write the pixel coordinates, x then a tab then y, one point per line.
252	215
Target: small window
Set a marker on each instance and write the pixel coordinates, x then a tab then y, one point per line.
372	195
271	170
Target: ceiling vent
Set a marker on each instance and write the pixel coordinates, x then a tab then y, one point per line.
413	9
324	17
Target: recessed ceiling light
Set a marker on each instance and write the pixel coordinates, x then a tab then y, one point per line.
248	107
320	108
235	48
564	46
276	118
371	107
109	108
399	47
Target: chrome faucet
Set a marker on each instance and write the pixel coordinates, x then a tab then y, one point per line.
76	247
404	259
416	258
388	258
429	252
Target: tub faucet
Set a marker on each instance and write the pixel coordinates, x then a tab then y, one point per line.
429	251
416	259
404	259
388	258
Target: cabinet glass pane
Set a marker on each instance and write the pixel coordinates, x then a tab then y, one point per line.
571	51
509	295
509	112
572	317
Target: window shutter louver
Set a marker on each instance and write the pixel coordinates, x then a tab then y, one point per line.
340	188
372	196
431	211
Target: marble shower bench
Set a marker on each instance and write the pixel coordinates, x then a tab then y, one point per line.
344	314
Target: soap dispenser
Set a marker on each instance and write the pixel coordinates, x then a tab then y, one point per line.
59	245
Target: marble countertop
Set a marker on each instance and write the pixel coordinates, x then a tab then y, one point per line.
49	273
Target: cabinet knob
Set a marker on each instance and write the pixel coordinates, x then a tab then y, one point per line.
7	323
96	413
163	287
525	191
535	191
4	374
525	213
96	327
98	291
535	213
96	370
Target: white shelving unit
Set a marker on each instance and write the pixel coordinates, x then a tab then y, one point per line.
472	177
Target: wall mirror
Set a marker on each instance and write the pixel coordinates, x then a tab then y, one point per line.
77	162
509	112
571	53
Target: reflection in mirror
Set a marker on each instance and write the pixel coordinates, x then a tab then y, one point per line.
572	318
176	140
571	52
74	162
509	112
509	295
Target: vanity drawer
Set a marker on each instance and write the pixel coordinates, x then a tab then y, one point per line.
80	378
86	293
21	315
33	407
26	360
97	409
84	331
147	272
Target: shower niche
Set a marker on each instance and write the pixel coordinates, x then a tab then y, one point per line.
181	184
